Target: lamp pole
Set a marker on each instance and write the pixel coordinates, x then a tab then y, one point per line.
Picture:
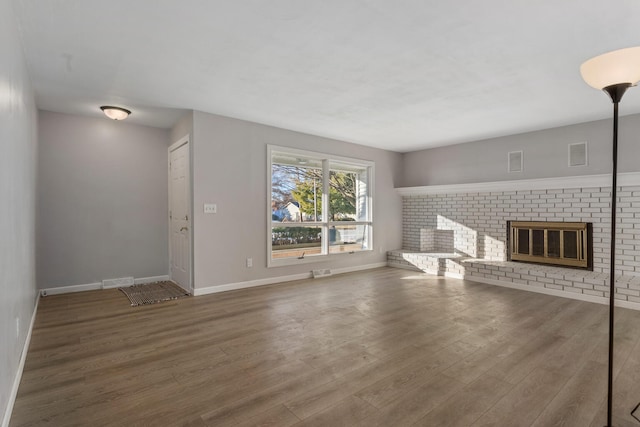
613	72
615	92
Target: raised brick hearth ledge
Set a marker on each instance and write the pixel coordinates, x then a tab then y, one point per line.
572	283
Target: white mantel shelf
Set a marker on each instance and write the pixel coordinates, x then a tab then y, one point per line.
584	181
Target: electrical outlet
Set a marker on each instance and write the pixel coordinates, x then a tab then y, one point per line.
17	327
249	262
210	208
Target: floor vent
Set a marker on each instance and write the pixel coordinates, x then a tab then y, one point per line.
117	283
321	273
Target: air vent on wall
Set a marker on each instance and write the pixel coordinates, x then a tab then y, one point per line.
321	273
515	161
578	154
117	283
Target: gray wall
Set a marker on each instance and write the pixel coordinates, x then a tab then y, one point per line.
230	169
545	155
183	127
102	200
18	135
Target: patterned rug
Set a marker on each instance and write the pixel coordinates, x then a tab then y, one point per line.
152	293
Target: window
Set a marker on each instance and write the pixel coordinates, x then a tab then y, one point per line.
320	206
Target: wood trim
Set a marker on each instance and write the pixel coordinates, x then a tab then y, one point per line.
71	289
185	140
95	286
559	183
279	279
325	223
23	358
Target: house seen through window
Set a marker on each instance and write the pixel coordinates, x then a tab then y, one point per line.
320	205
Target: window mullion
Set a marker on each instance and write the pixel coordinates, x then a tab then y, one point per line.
325	206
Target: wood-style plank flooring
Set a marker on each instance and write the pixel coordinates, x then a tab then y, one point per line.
384	347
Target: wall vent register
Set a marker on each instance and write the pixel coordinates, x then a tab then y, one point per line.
557	243
578	154
514	161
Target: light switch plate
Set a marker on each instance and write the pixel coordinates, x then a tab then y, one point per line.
210	208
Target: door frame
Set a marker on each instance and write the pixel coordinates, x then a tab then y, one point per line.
185	140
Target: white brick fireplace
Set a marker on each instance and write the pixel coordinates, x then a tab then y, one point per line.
461	230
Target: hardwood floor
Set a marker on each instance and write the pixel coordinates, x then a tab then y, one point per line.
384	347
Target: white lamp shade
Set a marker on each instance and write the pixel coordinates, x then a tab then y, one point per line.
115	113
618	66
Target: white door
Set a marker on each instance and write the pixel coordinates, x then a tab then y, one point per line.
179	214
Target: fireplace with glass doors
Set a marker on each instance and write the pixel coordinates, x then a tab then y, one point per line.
566	244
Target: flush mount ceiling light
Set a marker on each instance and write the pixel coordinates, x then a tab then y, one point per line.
613	72
115	113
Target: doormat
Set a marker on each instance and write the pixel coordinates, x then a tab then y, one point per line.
152	293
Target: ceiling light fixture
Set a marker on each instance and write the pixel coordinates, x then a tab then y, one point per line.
613	72
115	113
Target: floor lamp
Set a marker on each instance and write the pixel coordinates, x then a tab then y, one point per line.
614	73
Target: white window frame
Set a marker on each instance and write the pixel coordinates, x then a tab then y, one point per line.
325	223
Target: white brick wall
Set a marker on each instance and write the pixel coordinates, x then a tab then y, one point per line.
432	240
479	223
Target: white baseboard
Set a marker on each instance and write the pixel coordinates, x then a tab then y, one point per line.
547	291
279	279
96	286
23	357
358	268
70	289
249	284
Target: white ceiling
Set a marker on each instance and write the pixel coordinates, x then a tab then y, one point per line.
396	74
